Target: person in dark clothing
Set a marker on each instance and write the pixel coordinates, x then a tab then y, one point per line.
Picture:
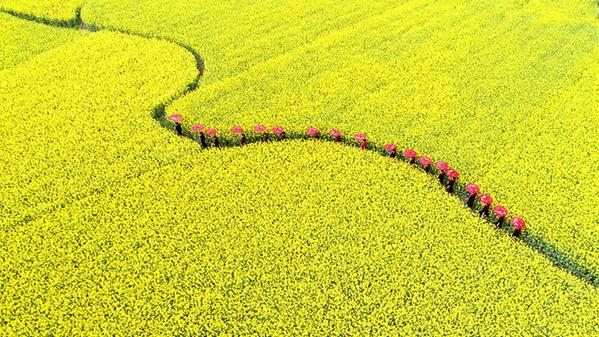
519	225
453	176
486	200
178	128
243	139
473	190
203	140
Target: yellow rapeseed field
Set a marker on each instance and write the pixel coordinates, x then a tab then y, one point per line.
77	118
301	238
60	10
506	91
112	225
22	40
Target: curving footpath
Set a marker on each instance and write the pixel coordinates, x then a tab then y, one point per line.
448	178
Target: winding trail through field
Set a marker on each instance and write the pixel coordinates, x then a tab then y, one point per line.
558	258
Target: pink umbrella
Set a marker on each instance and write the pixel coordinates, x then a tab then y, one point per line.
473	189
236	130
410	154
313	132
486	200
392	149
453	176
426	163
335	134
175	117
197	127
212	133
441	166
362	139
501	212
277	130
259	129
519	225
518	222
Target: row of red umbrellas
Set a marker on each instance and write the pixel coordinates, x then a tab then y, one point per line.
442	167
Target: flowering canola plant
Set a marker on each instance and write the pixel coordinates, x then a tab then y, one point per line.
289	238
110	225
67	134
22	40
504	90
62	10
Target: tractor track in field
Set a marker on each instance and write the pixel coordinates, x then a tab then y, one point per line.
558	258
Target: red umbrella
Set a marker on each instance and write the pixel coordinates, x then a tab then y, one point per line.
175	117
236	130
390	147
518	222
519	225
453	175
211	132
473	189
441	165
259	129
486	200
409	153
501	212
277	130
313	132
197	127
